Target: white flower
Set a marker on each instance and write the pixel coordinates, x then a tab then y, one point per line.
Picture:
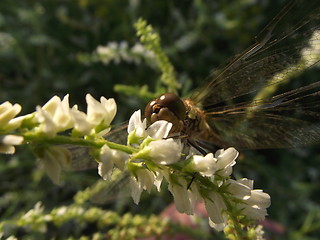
165	151
238	189
47	125
54	116
61	211
120	159
205	165
80	121
103	50
8	142
8	112
11	140
256	205
144	180
108	158
7	149
16	122
101	112
247	182
157	130
136	125
184	198
217	226
159	177
59	111
35	212
216	210
138	48
106	163
53	160
225	161
220	164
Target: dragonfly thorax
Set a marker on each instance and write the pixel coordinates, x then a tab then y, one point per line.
195	125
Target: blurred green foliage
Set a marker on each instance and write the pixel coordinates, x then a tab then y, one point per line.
48	47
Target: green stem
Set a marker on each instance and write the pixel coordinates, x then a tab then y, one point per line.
29	137
233	218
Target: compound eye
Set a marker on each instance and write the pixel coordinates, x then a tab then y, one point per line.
173	103
149	110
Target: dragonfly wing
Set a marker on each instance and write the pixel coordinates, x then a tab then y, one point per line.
240	102
118	134
81	158
282	50
266	131
115	188
290	120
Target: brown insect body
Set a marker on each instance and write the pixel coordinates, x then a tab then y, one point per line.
188	121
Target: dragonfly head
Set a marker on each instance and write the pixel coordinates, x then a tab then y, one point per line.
167	107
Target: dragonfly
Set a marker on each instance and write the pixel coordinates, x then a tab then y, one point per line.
242	104
231	110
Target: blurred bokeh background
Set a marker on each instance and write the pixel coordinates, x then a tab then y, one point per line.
50	48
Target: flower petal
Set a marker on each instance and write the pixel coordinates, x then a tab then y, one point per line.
205	165
215	207
11	140
135	121
165	151
7	112
47	125
53	160
101	112
159	129
226	157
106	162
237	189
182	196
136	190
111	109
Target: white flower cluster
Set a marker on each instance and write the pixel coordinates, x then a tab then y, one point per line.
7	124
118	52
54	117
57	116
54	159
150	143
191	179
150	157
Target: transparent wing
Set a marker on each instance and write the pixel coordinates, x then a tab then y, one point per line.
291	119
116	188
282	50
102	192
240	102
81	158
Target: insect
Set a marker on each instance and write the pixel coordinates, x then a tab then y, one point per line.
231	109
242	105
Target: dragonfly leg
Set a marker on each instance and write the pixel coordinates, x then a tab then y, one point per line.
191	181
200	149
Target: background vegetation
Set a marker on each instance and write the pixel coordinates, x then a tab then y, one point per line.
49	48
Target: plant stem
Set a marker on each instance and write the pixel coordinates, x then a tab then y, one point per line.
29	137
234	219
